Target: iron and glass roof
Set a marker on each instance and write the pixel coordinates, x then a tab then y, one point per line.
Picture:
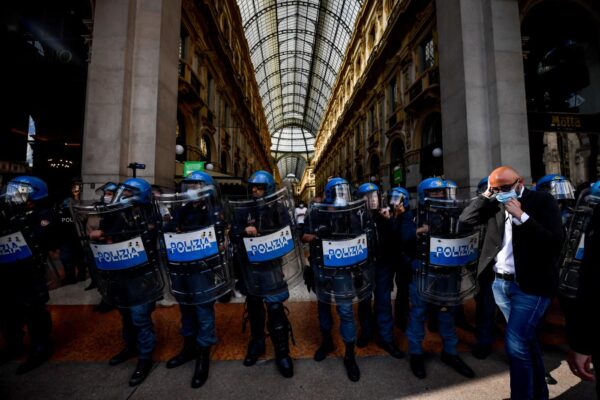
297	48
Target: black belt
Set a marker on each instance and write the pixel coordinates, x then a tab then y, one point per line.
506	277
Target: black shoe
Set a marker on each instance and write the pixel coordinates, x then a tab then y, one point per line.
104	307
122	356
482	351
457	364
285	365
391	348
34	360
226	298
417	365
142	370
325	348
352	369
201	369
91	286
69	280
363	341
256	348
550	379
188	352
9	353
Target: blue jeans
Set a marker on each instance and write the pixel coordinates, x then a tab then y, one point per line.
199	321
138	329
523	313
416	325
347	324
383	305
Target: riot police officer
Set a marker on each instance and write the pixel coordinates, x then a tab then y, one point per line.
385	253
401	218
124	247
27	234
268	269
482	185
194	250
71	253
562	190
339	233
440	194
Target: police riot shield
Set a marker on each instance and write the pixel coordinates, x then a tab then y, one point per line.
447	274
263	235
120	240
573	247
16	232
193	245
342	253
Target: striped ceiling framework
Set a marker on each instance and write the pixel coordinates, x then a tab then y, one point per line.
297	49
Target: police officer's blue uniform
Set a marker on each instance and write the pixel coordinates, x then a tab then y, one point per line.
345	311
197	320
278	324
27	233
386	252
138	329
416	330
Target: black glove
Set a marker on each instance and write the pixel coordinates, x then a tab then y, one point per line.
323	231
309	279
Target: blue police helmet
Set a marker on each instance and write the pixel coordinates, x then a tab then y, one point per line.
263	178
142	190
557	185
545	180
337	189
595	189
37	188
429	184
199	176
398	194
366	188
482	185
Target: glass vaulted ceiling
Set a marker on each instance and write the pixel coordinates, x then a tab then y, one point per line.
297	48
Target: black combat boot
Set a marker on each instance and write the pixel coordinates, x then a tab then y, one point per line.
350	363
256	315
34	360
326	346
142	369
188	352
201	369
279	329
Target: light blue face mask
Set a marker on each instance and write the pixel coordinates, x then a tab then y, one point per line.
503	197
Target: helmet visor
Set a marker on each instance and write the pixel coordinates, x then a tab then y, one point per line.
562	190
192	186
126	193
397	198
18	192
342	194
372	199
447	193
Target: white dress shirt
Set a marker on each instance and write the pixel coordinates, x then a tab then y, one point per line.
505	262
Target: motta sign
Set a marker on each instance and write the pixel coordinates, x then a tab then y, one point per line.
564	122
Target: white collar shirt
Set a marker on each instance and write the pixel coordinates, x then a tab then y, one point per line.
505	261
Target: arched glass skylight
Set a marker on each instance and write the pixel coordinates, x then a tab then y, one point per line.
297	48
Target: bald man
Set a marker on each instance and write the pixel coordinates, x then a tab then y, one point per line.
522	245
